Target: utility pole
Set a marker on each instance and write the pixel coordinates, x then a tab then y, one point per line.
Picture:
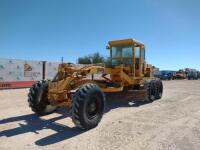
62	59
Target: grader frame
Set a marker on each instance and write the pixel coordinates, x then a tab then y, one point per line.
68	78
80	90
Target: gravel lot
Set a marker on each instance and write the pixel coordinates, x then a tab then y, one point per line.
170	123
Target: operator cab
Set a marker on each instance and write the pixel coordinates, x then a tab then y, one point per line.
128	52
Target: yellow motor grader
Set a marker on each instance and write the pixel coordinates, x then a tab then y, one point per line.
83	89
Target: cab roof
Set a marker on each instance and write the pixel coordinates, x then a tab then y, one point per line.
126	41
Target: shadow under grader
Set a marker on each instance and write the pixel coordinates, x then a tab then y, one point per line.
63	132
35	124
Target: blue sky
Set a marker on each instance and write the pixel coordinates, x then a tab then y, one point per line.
50	29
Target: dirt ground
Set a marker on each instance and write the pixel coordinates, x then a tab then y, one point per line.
170	123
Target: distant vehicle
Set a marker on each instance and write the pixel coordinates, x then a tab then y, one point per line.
198	74
192	74
167	75
181	74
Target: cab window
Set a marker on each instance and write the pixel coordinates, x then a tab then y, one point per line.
127	52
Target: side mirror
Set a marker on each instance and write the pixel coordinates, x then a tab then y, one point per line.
107	47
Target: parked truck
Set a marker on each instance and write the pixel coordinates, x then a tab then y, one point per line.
192	74
181	74
198	74
167	75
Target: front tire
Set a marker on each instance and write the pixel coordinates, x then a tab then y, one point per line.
88	106
38	99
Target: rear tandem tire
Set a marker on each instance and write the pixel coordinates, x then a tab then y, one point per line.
88	104
38	99
159	89
150	91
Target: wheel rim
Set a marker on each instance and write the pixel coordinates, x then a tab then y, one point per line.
49	108
152	97
92	108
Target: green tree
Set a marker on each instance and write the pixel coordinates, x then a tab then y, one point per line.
84	60
97	58
91	59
